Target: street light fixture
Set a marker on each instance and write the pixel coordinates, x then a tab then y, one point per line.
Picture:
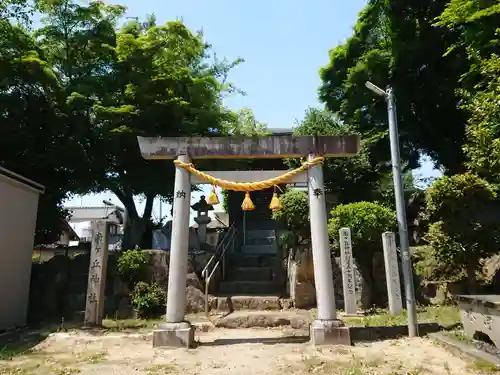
400	206
377	90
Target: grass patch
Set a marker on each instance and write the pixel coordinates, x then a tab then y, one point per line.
38	369
358	366
459	336
65	371
355	366
14	370
483	367
443	315
167	368
94	358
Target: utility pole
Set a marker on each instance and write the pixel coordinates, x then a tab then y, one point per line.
411	307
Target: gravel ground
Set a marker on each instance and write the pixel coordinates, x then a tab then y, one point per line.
231	351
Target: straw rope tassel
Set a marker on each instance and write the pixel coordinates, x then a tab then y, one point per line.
213	199
275	204
247	204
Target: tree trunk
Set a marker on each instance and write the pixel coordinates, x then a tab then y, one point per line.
471	276
132	232
135	228
368	281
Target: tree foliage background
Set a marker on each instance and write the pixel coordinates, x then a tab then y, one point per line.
442	60
77	91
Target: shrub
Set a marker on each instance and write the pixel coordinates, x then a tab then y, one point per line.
463	215
131	265
294	212
367	222
429	268
148	299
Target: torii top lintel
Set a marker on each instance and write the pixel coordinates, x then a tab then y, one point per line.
259	147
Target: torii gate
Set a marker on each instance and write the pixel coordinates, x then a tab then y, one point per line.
326	329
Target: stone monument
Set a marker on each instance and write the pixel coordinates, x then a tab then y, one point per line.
392	273
348	276
94	308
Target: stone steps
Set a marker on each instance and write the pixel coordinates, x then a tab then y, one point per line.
258	249
249	288
250	273
265	319
237	303
236	260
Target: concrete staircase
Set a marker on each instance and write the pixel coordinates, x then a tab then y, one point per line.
252	272
260	242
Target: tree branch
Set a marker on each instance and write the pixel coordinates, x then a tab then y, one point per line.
128	202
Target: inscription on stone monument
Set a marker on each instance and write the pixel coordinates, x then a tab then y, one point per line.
392	273
487	322
94	309
348	278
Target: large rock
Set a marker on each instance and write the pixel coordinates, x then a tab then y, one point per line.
193	280
195	300
158	269
263	319
305	294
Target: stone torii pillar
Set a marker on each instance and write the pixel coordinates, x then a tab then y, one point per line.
326	329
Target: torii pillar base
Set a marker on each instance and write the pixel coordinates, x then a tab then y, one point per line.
329	332
174	335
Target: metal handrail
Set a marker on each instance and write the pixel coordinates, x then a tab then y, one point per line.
213	257
224	245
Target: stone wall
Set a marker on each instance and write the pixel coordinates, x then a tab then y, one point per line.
58	287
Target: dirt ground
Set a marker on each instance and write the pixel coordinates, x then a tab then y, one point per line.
231	351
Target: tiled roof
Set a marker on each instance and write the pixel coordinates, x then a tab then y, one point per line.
281	131
90	213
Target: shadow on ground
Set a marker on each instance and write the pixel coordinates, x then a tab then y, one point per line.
358	334
17	343
258	340
23	340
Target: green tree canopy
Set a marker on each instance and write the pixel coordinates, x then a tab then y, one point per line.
358	178
143	80
352	179
476	25
35	139
397	44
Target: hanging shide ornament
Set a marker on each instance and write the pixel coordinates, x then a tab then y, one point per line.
247	204
275	204
213	199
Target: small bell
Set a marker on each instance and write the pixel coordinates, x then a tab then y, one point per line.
275	204
213	199
247	204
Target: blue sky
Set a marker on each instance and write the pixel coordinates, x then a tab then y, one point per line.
284	43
